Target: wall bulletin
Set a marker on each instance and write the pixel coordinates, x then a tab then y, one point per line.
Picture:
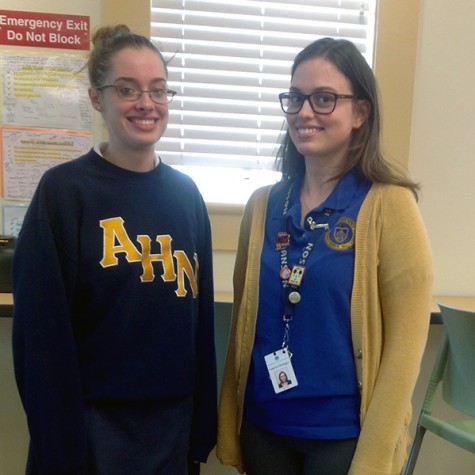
45	114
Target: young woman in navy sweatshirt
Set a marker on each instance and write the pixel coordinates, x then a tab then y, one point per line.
114	314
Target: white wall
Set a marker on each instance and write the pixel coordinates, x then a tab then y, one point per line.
443	139
442	159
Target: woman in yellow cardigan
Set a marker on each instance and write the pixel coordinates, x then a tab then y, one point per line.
332	285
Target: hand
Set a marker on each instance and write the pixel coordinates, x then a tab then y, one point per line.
240	469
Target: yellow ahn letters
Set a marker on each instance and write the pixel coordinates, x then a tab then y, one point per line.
117	241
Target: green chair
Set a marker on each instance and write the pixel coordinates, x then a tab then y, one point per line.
454	368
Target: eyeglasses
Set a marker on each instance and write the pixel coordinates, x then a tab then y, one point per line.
132	93
321	102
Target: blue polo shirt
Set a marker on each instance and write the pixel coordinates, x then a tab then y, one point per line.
326	402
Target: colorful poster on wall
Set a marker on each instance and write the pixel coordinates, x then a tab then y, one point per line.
28	153
45	114
45	90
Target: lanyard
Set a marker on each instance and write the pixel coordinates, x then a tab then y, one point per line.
292	278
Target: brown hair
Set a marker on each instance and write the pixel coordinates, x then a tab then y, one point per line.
365	151
107	41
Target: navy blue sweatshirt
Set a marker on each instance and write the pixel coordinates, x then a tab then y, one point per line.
113	302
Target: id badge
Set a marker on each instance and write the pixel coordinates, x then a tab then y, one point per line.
280	369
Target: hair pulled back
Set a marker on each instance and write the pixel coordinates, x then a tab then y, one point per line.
107	41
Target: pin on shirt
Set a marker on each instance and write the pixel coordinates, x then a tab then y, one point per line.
285	273
283	241
297	275
294	297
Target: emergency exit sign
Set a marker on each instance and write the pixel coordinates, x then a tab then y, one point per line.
47	30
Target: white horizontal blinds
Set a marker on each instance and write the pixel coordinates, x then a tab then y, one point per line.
230	61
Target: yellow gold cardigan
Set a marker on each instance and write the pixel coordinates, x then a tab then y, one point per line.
390	314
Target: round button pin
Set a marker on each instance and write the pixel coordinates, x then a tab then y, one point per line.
294	297
285	273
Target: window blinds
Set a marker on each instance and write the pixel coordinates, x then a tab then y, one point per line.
228	62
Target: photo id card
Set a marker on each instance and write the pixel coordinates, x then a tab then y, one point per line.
280	369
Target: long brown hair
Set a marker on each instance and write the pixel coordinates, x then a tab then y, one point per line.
365	151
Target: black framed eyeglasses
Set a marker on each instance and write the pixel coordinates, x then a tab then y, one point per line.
132	93
321	102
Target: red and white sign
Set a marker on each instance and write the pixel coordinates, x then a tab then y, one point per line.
46	30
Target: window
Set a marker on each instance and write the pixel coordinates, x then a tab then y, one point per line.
229	61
